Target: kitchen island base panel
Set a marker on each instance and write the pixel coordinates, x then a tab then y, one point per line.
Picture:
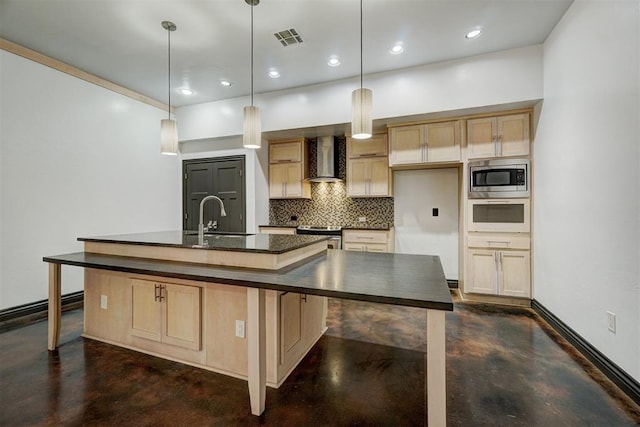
257	349
227	258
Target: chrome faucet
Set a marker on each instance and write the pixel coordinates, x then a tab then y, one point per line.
200	222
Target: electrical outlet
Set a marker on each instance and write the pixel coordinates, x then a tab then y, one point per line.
362	219
611	321
240	328
103	302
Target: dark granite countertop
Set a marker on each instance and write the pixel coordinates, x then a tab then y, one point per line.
344	227
258	243
399	279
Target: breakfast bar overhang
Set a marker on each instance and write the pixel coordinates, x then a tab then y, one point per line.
398	279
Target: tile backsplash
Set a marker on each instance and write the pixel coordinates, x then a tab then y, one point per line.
329	205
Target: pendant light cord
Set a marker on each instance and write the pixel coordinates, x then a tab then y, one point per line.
252	54
169	73
361	45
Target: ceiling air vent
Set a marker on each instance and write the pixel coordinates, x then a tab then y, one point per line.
288	37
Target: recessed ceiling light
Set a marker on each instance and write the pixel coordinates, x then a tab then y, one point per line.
396	49
273	73
226	83
473	33
333	61
185	91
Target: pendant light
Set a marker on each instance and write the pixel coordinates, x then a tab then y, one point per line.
251	128
361	103
168	127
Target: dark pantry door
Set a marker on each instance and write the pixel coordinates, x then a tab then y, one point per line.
222	177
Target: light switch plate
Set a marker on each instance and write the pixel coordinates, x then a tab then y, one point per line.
103	302
362	219
240	328
611	321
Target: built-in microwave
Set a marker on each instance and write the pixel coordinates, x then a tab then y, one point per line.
499	178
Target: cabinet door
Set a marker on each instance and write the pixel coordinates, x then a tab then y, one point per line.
406	145
277	178
374	146
290	325
146	313
443	142
513	135
357	177
293	180
285	152
376	247
515	273
378	174
359	247
181	316
482	272
481	138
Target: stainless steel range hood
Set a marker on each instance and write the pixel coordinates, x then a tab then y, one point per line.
328	158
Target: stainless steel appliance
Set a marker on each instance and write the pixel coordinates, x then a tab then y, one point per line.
499	178
335	233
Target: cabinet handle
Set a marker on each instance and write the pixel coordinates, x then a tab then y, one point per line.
498	242
499	150
155	292
495	259
285	161
304	297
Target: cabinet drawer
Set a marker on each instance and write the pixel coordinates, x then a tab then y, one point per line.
285	152
498	241
366	236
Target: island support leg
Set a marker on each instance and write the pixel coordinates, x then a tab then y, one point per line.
55	305
257	348
436	369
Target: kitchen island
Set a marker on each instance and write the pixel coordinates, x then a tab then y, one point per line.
293	271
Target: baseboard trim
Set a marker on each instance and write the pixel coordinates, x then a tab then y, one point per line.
23	314
618	376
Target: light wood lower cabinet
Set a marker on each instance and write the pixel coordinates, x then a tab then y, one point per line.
502	272
277	230
167	313
368	240
195	322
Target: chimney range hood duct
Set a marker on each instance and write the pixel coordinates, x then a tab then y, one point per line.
328	158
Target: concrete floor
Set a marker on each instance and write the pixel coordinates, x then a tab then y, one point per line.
504	367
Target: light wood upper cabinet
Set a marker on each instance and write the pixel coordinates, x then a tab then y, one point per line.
167	313
376	146
285	152
288	169
501	136
368	173
428	143
368	177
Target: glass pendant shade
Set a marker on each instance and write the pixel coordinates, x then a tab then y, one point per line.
252	128
168	137
361	105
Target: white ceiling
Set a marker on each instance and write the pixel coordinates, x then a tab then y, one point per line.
123	40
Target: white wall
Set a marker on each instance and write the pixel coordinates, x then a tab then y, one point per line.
416	192
77	160
587	180
491	79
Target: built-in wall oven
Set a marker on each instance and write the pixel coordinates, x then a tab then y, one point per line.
334	232
499	178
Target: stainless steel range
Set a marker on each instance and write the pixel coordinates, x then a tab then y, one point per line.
335	233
